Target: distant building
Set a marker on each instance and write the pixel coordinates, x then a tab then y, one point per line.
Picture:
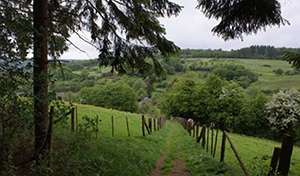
146	99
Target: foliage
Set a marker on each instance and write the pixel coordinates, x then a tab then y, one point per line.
141	93
138	84
283	111
144	107
179	99
112	95
251	119
88	125
69	97
279	71
173	65
238	73
233	23
252	52
293	58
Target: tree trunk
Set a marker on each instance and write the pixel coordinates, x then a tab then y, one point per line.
40	78
1	144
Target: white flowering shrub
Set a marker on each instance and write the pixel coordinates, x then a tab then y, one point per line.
283	111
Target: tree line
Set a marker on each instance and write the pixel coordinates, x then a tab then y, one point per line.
252	52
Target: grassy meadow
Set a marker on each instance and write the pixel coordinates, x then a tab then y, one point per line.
120	155
105	126
267	80
255	152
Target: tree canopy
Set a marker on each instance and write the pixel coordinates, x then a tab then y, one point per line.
238	17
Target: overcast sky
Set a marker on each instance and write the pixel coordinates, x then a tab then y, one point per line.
191	29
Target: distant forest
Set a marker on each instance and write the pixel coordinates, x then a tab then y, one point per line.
252	52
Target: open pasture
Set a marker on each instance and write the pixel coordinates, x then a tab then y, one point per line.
267	80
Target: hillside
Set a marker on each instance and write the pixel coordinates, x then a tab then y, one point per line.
268	81
144	152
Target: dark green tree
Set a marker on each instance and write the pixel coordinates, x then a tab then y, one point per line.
238	17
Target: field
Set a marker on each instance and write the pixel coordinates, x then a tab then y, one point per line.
140	154
107	155
255	152
268	80
105	126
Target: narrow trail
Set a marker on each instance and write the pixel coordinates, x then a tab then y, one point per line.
171	163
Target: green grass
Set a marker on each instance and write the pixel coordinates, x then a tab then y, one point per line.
268	80
138	155
250	148
107	155
105	126
197	161
123	155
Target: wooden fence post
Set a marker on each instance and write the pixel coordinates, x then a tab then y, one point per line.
216	141
154	123
143	125
147	128
212	142
73	120
112	126
97	119
207	142
246	172
223	147
285	155
127	124
274	161
193	130
158	123
197	130
203	135
150	124
76	119
49	141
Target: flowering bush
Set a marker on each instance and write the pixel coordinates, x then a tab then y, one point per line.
283	111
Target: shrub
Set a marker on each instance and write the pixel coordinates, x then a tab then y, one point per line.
238	73
283	111
113	95
279	71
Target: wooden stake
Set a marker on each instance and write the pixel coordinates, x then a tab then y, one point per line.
193	130
127	124
97	118
246	172
143	125
197	130
72	120
212	142
154	123
203	136
216	141
274	161
223	147
147	128
285	155
112	126
76	120
207	142
150	124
